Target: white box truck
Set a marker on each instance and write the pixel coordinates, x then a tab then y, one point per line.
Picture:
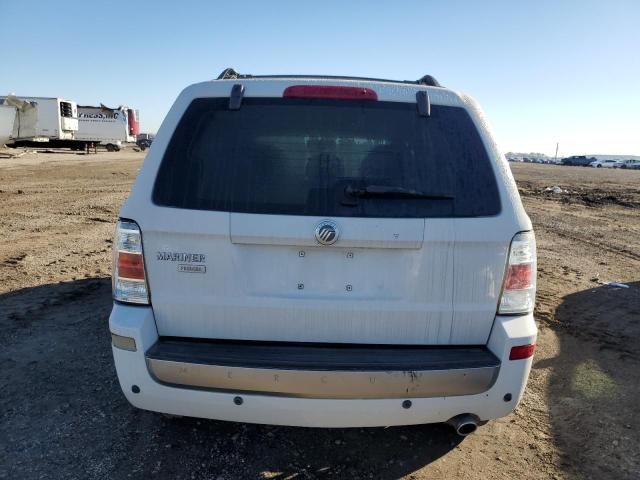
42	119
110	127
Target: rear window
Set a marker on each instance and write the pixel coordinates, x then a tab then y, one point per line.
290	156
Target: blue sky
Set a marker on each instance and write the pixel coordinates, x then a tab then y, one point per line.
544	71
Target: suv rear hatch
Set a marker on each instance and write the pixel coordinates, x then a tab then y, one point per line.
233	244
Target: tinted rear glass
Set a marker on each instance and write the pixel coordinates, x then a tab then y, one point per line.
298	157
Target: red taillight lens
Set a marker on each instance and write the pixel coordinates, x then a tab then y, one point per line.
519	276
130	266
521	352
331	92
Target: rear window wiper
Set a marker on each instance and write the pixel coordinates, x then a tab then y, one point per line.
388	191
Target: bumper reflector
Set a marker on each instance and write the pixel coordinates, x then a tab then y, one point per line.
522	351
123	343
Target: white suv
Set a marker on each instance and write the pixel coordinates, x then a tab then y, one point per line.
324	251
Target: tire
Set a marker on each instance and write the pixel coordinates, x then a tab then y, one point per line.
110	147
598	166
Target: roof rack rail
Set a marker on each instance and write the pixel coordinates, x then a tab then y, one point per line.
427	80
231	74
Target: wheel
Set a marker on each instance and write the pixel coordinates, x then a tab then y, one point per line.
110	147
598	166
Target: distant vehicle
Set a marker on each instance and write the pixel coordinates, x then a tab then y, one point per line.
578	160
110	127
144	141
606	164
630	164
143	144
42	120
324	252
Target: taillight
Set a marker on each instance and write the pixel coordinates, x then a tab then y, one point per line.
128	282
519	288
331	92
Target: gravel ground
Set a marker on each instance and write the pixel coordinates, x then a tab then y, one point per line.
62	414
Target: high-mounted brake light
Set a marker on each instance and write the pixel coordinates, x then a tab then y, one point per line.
331	92
519	289
129	282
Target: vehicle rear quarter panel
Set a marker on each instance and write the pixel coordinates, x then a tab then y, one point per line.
482	245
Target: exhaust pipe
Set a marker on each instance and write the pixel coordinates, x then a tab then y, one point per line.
464	424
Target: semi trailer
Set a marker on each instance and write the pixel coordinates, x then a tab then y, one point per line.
7	117
56	122
40	120
106	126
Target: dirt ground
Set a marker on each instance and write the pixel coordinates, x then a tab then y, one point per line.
62	414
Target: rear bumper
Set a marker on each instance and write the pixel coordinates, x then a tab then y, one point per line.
344	396
320	371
